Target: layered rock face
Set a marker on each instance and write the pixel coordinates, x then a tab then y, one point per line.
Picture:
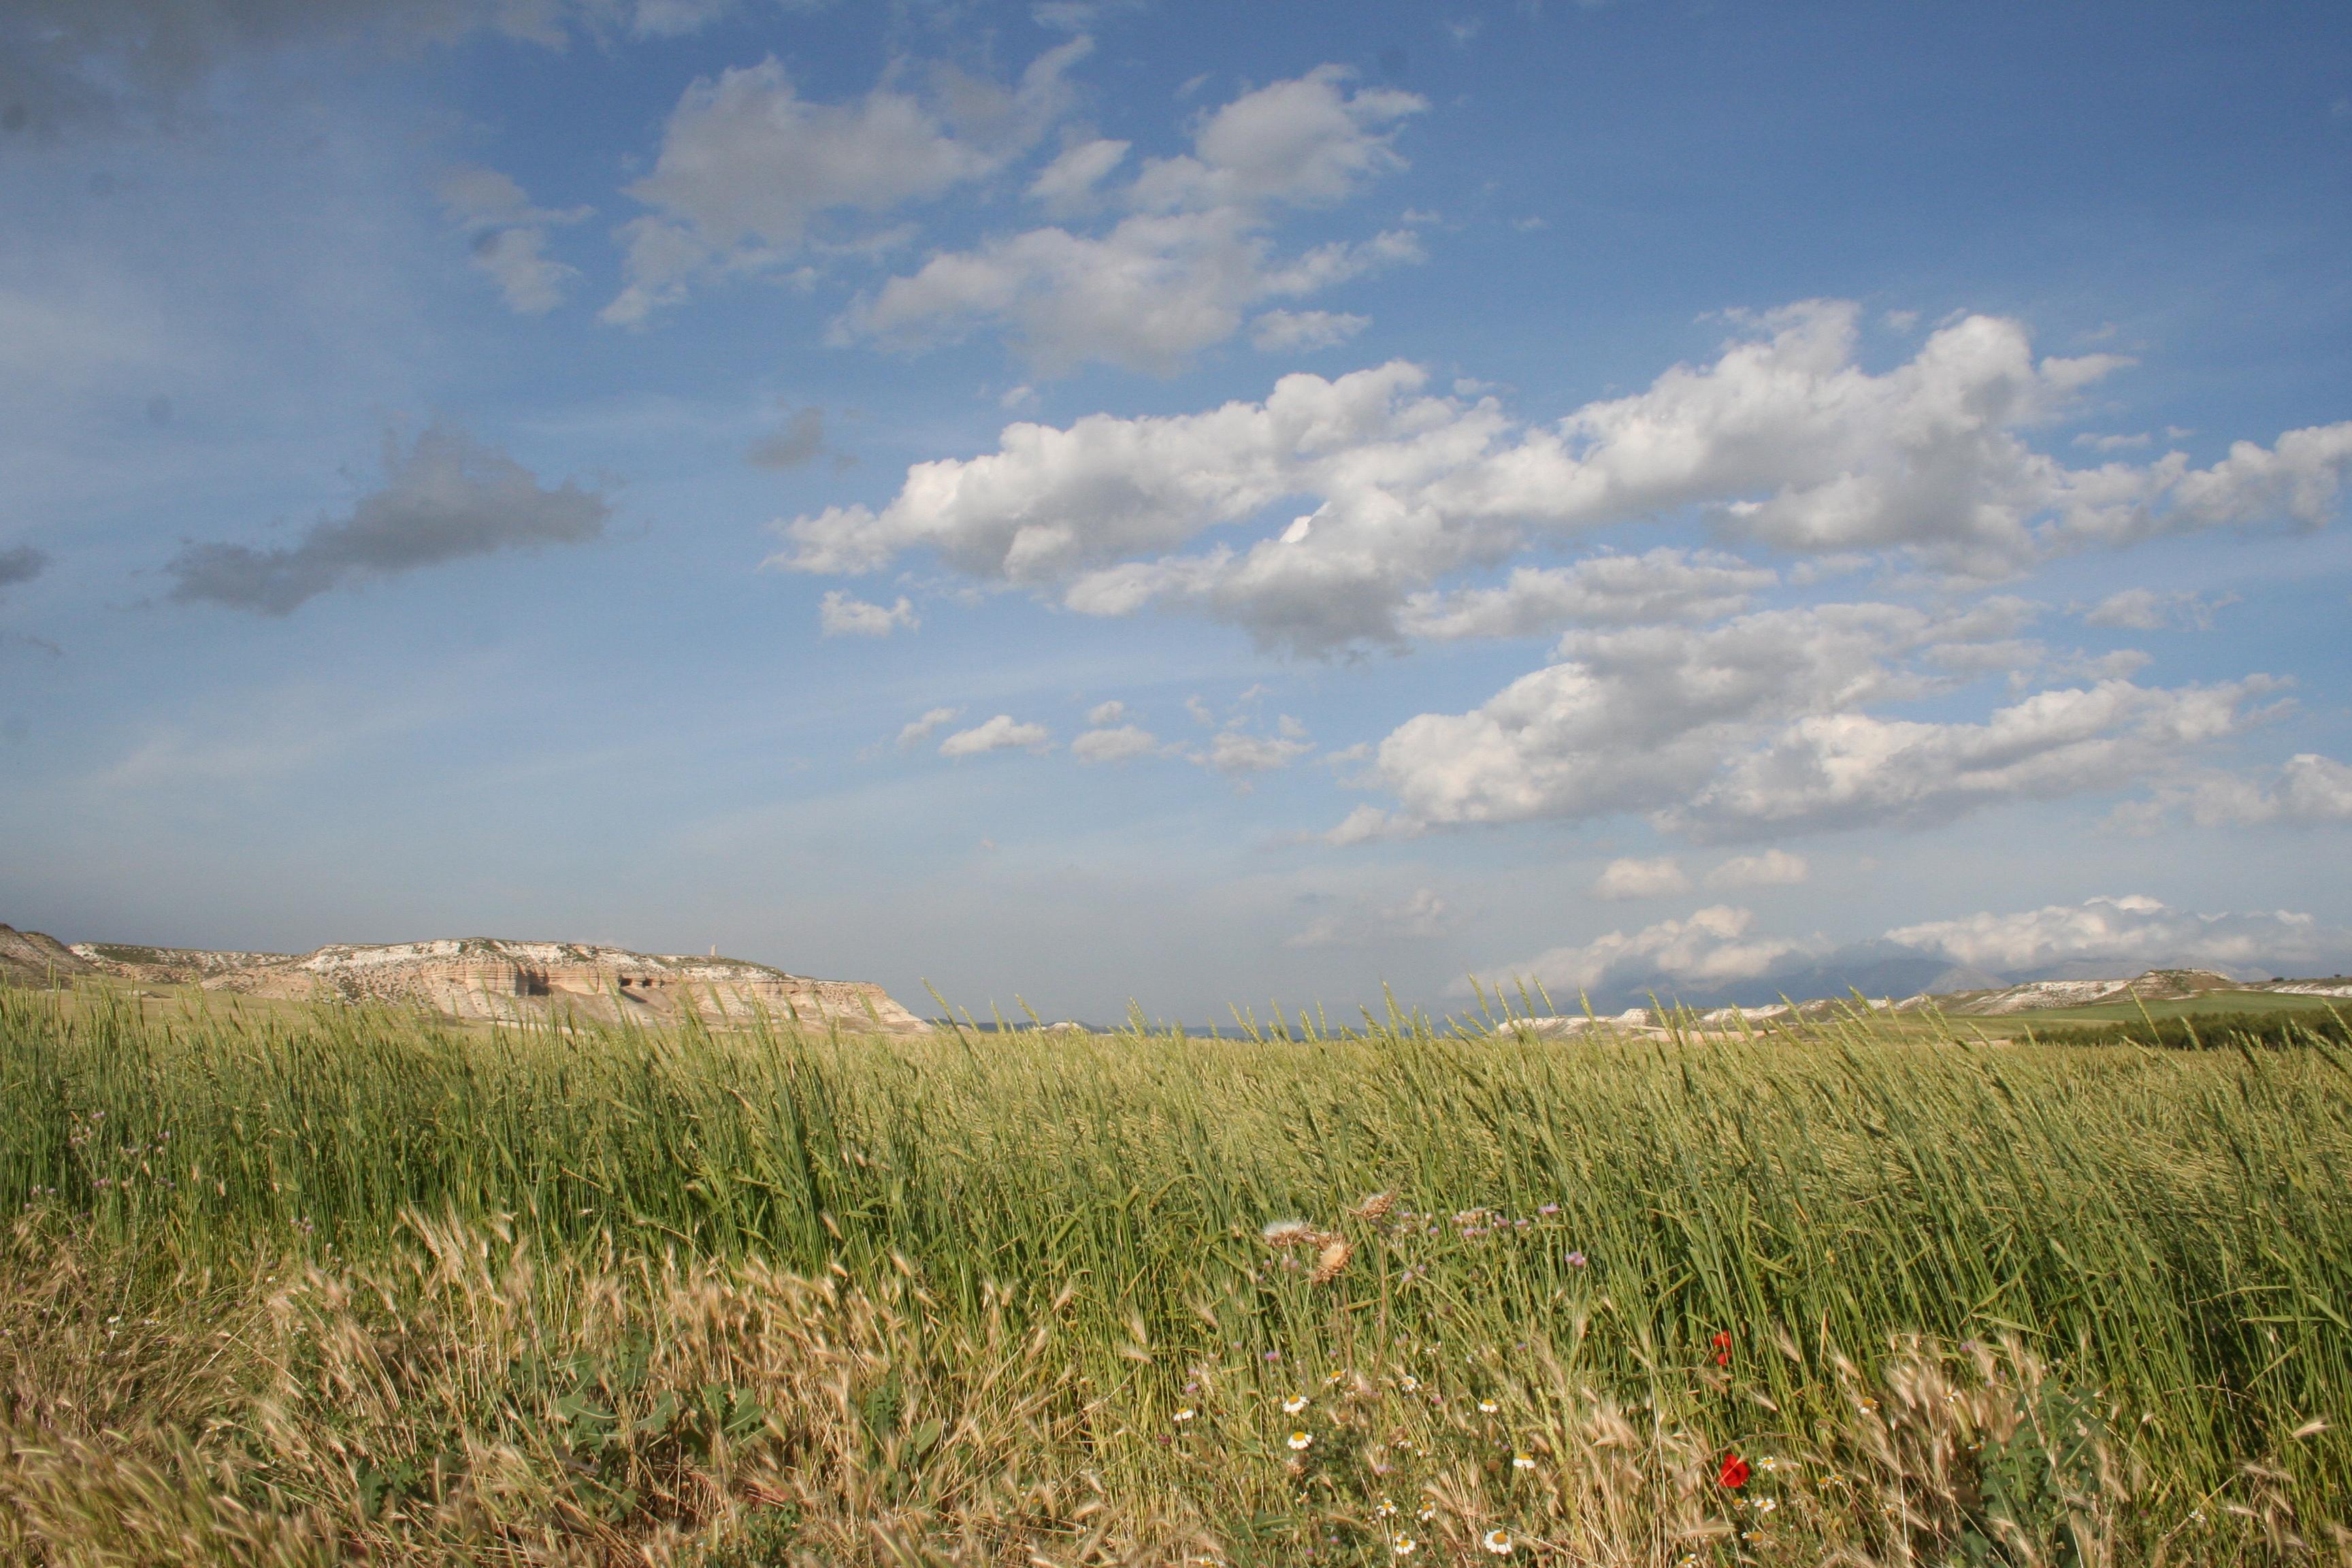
31	958
486	978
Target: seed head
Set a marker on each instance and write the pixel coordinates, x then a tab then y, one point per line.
1374	1209
1332	1260
1287	1232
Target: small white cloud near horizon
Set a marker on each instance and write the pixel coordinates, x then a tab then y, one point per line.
1303	331
2117	935
841	615
1120	745
1001	733
1630	879
1237	752
1711	948
1773	869
2146	610
918	732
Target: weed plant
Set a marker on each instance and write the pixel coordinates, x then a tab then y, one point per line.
360	1284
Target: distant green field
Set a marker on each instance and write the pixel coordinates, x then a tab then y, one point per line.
2188	1007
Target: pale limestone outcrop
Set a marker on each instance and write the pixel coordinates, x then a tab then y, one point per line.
486	978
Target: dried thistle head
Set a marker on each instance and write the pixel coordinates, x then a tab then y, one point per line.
1375	1208
1287	1232
1334	1257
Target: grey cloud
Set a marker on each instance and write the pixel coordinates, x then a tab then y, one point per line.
71	64
751	172
448	496
508	237
21	564
795	444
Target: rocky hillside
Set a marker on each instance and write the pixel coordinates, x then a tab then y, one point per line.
29	958
2155	986
486	978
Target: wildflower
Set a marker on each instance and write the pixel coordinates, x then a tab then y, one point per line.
1374	1209
1722	1348
1387	1510
1766	1504
1286	1233
1498	1541
1576	1260
1299	1440
1334	1376
1402	1545
1332	1260
1866	1403
1733	1472
1523	1461
1488	1407
1273	1355
1409	1383
1293	1407
1186	1413
1428	1511
1548	1208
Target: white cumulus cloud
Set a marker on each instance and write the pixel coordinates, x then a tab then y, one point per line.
1239	752
1001	733
1302	331
1632	878
1773	869
1783	439
1662	585
2146	610
1117	744
1191	253
2306	790
922	729
1760	725
839	614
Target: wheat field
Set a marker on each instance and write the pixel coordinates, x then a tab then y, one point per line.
354	1285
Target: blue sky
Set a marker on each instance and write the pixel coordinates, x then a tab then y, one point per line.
1192	503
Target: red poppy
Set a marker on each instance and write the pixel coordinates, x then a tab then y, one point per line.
1733	1473
1722	1349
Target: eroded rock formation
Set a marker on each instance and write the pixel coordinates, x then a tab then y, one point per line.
488	978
